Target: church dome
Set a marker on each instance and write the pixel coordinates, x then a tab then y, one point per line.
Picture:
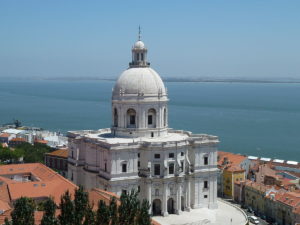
142	81
139	45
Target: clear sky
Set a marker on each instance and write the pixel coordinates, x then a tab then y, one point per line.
71	38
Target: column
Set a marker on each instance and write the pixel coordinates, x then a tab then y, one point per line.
188	193
149	194
165	201
179	191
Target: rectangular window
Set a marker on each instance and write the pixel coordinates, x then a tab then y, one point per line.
124	192
157	169
149	119
132	119
182	153
124	168
138	155
105	167
205	160
181	165
157	156
139	163
205	196
171	155
206	184
171	168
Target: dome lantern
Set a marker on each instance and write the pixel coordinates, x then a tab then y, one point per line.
139	54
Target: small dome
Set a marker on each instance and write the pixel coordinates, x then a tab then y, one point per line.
139	45
139	81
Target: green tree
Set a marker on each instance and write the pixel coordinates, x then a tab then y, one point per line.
80	203
23	213
89	217
143	217
102	216
113	211
49	213
66	216
129	208
6	222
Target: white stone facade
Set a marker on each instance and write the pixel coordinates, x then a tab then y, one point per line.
174	170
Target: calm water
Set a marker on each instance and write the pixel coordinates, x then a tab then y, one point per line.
255	119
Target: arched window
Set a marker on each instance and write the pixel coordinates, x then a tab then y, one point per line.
115	117
152	118
138	56
165	117
131	118
142	56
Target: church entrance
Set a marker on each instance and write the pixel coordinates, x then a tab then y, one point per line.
171	209
182	203
156	207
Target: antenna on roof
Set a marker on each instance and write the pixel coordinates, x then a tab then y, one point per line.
139	32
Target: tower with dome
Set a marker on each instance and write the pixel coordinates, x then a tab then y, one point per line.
174	170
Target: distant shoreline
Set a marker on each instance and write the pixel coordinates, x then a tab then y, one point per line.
175	80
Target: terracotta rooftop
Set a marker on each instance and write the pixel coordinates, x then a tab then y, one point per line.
41	141
290	198
225	158
33	180
63	153
4	135
18	139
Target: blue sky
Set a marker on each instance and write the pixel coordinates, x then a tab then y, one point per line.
71	38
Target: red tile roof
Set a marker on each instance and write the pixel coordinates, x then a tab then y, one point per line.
18	139
5	135
63	153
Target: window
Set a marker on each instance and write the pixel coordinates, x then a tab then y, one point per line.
139	155
181	165
139	163
157	156
72	155
149	119
171	168
115	117
165	117
152	134
171	155
142	56
157	169
132	119
105	167
182	153
124	167
205	184
138	56
205	196
205	160
156	192
139	188
124	192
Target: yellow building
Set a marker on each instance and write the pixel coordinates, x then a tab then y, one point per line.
231	175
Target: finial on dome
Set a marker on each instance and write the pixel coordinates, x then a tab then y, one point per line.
139	32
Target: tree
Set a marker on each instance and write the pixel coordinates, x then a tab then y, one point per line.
89	217
143	217
23	213
102	216
66	216
80	203
6	222
49	213
113	211
128	208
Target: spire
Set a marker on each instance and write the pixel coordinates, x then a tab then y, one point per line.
139	32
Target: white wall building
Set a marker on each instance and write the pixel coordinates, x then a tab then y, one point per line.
175	170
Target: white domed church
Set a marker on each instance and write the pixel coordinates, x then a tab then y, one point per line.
174	170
